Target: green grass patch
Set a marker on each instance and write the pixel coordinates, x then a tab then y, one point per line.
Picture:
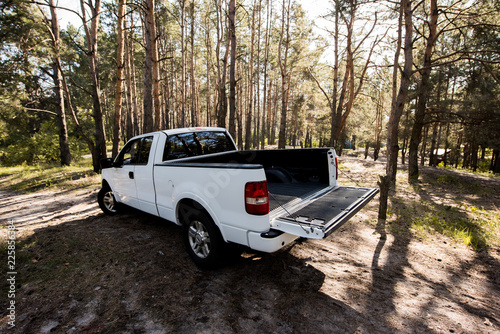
472	226
25	178
482	170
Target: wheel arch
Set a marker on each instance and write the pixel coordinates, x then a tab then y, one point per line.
105	183
192	203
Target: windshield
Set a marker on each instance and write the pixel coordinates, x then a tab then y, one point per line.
196	143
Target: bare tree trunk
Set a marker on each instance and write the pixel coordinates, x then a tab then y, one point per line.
285	75
208	46
128	81
232	77
432	153
222	74
152	107
334	121
65	154
265	122
388	181
136	112
183	83
416	134
248	130
378	117
272	115
495	161
195	119
120	36
156	66
91	38
424	146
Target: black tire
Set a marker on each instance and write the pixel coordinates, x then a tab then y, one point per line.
107	201
202	238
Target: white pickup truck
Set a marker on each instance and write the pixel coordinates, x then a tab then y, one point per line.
196	178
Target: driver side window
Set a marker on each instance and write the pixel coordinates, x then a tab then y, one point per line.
130	153
136	152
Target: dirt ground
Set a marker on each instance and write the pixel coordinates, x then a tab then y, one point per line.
79	271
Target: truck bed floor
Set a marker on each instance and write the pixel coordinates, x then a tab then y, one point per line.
282	193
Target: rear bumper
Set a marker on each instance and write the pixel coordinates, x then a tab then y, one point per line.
269	242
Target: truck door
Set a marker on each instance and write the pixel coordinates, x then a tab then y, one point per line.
143	175
124	179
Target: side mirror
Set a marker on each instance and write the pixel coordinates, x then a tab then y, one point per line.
106	163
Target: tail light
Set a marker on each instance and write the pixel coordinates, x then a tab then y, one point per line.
336	168
257	198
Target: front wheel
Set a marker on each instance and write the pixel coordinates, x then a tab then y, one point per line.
202	238
107	201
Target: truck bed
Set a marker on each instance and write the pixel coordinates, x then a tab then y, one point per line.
292	174
283	193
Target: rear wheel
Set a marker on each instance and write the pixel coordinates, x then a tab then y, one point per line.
202	238
107	201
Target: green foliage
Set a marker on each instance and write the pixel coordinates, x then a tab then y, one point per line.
42	147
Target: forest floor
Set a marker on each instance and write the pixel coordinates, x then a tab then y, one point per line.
434	267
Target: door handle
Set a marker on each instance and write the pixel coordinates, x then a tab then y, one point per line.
131	175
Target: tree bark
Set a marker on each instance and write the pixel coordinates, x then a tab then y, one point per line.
248	125
152	107
120	64
195	119
334	121
65	154
91	38
232	68
399	100
265	122
423	92
388	181
221	70
285	75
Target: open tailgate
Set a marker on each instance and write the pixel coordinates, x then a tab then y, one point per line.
321	216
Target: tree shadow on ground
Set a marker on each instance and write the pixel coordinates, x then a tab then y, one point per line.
130	273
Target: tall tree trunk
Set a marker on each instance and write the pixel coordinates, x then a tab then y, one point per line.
248	130
416	133
65	154
152	106
432	154
334	120
195	119
91	38
397	106
232	75
221	70
424	145
399	100
495	161
131	98
156	67
136	111
265	122
120	36
285	74
256	135
379	108
208	46
147	103
183	87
